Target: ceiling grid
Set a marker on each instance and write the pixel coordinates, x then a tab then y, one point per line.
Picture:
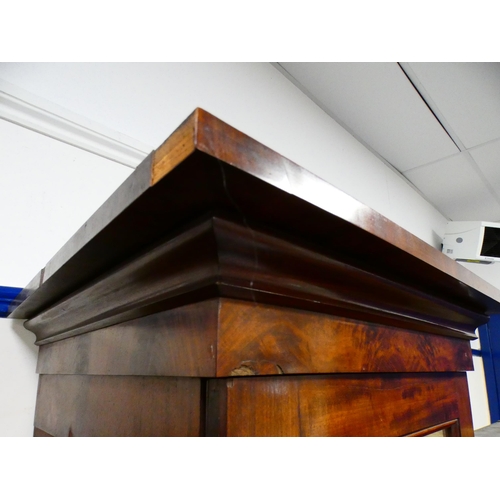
438	124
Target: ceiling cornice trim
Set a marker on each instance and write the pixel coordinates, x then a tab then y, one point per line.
39	115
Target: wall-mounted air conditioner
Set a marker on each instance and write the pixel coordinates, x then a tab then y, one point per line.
476	241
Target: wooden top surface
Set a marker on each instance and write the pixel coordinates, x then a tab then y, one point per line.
207	166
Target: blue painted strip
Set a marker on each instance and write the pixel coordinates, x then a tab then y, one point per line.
477	352
488	350
7	295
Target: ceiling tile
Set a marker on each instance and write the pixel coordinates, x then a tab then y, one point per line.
379	105
456	189
467	95
487	158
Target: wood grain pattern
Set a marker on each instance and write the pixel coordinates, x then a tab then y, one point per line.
256	339
175	149
341	405
78	405
181	342
227	337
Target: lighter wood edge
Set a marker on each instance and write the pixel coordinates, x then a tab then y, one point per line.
180	145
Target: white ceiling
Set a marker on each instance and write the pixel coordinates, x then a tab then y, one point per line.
436	123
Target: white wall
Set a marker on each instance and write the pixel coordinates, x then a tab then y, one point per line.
18	380
488	272
48	189
477	388
147	101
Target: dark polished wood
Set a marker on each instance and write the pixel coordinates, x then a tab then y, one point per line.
178	342
337	405
256	339
221	338
252	265
208	166
149	283
224	290
79	405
